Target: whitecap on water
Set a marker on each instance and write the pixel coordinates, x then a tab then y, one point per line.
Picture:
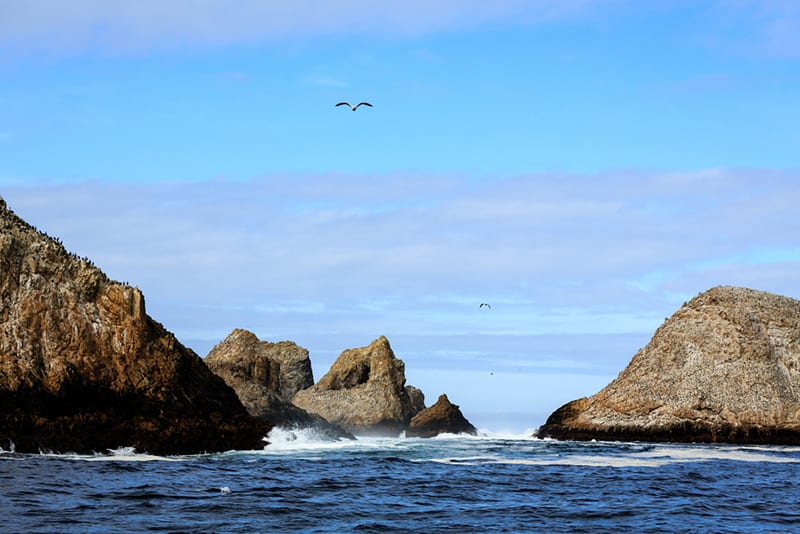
282	439
123	454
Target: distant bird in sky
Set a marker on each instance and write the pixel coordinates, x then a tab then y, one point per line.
353	107
484	304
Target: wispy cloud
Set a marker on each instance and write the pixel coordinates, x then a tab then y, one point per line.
325	81
579	269
558	252
759	27
149	24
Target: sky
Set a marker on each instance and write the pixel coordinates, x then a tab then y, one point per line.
583	166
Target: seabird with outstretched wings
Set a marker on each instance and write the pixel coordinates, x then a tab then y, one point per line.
352	106
484	304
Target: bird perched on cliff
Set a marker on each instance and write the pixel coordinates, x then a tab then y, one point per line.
484	304
352	106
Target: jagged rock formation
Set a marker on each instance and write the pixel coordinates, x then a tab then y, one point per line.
724	368
364	392
266	377
84	368
443	417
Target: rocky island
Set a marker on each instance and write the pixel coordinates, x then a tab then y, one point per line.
443	417
364	392
724	368
266	376
83	368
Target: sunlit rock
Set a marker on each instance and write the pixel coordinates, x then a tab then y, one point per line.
364	392
84	368
266	377
443	417
724	368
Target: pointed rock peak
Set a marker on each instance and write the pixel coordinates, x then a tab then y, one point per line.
365	391
442	400
374	363
443	417
381	342
380	345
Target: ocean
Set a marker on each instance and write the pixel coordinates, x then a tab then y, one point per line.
489	483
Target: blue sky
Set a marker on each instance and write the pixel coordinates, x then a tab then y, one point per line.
584	166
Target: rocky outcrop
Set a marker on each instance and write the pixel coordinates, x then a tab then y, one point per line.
443	417
724	368
84	368
364	392
266	377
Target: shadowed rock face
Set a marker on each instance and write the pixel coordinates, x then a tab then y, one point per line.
364	392
266	377
84	368
443	417
724	368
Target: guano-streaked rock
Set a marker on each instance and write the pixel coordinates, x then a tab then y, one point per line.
724	368
84	368
266	376
364	392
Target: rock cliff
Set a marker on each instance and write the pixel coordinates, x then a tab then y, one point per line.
266	377
724	368
364	392
84	368
443	417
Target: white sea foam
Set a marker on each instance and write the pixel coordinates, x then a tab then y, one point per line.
484	448
123	454
657	456
706	453
289	441
589	461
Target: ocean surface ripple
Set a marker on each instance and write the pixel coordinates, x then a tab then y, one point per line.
489	483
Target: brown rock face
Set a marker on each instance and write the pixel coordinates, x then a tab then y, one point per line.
84	368
261	373
266	377
443	417
724	368
364	392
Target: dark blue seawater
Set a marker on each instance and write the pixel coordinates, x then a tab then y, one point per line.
449	484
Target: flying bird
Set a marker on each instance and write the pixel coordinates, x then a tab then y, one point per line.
353	107
484	304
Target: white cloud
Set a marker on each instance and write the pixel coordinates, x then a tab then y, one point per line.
145	24
425	244
333	261
579	269
759	27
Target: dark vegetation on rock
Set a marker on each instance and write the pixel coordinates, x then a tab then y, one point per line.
83	368
724	368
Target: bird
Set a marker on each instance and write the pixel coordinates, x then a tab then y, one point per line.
484	304
353	107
